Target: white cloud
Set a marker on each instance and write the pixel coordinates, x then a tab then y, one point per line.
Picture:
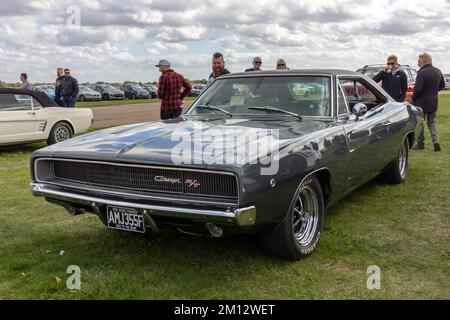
122	41
170	46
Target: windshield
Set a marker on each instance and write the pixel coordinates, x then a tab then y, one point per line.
302	95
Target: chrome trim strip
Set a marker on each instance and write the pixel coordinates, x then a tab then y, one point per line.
242	216
140	196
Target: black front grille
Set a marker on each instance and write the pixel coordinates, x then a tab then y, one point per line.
152	179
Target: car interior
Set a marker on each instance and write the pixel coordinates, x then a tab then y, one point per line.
356	91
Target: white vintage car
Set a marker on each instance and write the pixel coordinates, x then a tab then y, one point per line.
29	116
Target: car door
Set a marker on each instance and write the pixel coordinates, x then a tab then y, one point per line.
367	134
43	117
17	118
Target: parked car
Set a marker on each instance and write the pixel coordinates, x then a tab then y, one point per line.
87	94
447	83
152	90
323	148
411	73
108	91
197	90
134	91
29	116
48	90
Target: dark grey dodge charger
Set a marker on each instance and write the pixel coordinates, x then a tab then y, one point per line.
253	154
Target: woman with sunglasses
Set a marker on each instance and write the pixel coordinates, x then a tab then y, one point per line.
281	65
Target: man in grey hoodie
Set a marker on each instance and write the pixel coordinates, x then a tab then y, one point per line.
69	89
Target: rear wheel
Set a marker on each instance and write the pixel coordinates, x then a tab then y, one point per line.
397	171
82	98
60	132
298	235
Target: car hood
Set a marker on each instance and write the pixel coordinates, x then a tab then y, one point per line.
186	142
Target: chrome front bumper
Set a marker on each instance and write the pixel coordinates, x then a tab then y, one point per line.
240	216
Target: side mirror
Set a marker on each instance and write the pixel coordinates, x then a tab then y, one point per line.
360	109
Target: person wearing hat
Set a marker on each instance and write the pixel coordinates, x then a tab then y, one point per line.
169	90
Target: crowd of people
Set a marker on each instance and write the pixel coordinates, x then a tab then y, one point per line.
173	87
429	82
66	87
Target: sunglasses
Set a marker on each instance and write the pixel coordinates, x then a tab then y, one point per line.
257	62
281	65
390	63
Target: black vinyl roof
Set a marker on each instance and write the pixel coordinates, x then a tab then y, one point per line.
44	100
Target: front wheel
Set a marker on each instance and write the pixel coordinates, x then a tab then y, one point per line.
298	235
397	171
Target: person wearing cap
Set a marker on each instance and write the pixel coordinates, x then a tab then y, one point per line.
169	90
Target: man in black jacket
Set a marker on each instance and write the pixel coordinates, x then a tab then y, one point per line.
429	82
69	89
58	86
394	79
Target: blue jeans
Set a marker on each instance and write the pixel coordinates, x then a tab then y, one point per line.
59	102
165	115
69	102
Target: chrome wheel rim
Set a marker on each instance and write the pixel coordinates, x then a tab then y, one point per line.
306	216
403	160
62	133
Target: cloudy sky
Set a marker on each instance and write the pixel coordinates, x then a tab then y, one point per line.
112	41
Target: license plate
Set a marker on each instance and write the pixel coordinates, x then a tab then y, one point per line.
126	219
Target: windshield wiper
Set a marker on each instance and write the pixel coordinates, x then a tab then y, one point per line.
215	108
270	108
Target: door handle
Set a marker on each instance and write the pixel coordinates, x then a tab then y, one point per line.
32	113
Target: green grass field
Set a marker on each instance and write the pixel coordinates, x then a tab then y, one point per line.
404	229
104	103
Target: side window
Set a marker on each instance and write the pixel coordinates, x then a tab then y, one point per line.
16	102
342	102
36	104
356	91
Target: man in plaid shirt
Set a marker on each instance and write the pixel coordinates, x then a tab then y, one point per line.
169	91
